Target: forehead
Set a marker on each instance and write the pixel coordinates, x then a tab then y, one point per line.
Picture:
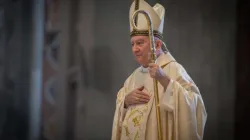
138	38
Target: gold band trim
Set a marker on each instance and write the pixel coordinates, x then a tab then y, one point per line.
136	8
167	63
145	33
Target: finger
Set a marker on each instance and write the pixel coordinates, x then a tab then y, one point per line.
152	73
140	100
138	92
146	97
152	70
140	88
151	65
141	94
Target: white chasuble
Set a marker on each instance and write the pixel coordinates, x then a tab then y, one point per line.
183	112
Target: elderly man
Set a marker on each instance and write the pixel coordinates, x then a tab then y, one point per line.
183	114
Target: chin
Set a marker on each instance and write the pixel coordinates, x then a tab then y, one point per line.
141	62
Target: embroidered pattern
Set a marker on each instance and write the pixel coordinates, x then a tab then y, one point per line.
119	97
135	116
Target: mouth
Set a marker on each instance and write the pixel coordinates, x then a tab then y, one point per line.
138	55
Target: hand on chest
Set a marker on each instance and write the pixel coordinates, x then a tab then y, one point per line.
144	79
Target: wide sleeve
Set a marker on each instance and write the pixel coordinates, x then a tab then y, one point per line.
183	99
120	112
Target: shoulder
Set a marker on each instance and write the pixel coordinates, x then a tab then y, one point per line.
127	81
174	69
130	77
178	73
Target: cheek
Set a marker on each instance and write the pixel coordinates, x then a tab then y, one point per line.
146	50
147	47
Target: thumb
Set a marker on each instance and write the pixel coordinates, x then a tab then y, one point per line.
141	88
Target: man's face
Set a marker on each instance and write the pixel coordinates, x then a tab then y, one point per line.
141	49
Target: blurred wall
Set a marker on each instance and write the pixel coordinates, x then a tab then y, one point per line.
200	35
16	56
14	72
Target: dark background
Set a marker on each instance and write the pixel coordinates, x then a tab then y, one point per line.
209	38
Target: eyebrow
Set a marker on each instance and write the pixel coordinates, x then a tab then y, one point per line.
139	40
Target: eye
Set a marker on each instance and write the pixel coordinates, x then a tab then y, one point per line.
140	43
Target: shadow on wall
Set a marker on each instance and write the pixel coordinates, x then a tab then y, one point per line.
13	122
103	64
96	110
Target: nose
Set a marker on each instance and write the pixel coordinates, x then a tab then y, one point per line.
135	49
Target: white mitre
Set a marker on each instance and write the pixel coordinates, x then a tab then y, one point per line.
156	13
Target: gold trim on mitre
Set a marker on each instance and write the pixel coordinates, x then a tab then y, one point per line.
156	13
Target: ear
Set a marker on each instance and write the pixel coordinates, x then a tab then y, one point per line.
158	44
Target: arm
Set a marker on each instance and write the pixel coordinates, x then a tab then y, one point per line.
188	111
183	99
